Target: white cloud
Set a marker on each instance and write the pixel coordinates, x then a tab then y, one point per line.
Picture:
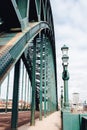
70	12
70	21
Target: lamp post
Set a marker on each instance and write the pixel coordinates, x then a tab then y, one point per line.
65	75
61	97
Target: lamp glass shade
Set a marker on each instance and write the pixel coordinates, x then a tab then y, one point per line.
64	50
65	59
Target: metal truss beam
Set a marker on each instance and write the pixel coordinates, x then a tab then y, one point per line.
10	58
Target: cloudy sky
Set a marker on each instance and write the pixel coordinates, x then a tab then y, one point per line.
70	21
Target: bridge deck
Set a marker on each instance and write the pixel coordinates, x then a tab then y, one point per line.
51	122
23	118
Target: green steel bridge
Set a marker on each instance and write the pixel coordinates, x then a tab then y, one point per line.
27	58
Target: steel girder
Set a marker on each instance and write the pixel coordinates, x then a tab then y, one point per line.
40	61
44	81
10	58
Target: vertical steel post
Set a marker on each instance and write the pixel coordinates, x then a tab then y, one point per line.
0	90
61	97
33	85
66	98
7	93
49	80
22	87
41	71
25	89
14	118
65	77
28	94
45	81
47	75
45	96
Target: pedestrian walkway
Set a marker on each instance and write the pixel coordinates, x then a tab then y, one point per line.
51	122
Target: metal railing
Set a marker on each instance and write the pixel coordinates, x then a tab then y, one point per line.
84	123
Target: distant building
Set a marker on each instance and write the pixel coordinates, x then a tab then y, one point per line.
85	107
21	104
2	103
75	98
10	103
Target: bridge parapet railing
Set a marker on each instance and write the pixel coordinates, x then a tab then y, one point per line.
84	123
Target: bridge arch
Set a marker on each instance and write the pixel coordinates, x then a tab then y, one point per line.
29	24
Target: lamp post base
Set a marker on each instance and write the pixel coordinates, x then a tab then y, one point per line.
66	109
66	106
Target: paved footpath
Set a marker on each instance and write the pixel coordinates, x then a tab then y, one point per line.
51	122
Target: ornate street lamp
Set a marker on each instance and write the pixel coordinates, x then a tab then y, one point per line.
65	55
65	75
